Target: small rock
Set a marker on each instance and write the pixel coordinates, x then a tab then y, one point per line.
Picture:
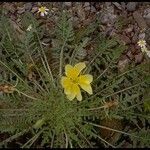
147	22
21	10
123	63
140	20
129	54
142	36
10	7
86	4
131	6
46	40
135	38
34	9
80	12
13	17
147	36
28	6
117	5
125	39
107	18
93	9
138	58
68	3
108	4
87	8
147	16
129	29
123	5
132	48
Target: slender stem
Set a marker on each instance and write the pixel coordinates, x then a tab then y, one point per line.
133	106
91	62
84	137
114	92
70	144
141	115
97	108
37	69
66	140
123	90
32	140
13	109
118	131
45	58
12	72
10	40
102	73
105	141
26	95
52	142
40	87
61	59
14	136
73	55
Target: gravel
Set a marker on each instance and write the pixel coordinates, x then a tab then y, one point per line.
131	6
140	20
68	3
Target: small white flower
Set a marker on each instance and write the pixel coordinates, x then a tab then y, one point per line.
29	27
144	49
142	43
148	53
43	11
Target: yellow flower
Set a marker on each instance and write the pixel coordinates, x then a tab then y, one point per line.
43	11
142	43
74	80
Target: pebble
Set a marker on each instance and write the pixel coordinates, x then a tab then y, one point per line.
138	58
117	5
34	9
147	36
147	16
140	20
129	29
131	6
28	6
87	8
135	38
123	5
21	10
86	4
68	3
107	18
123	63
142	36
125	39
93	9
129	54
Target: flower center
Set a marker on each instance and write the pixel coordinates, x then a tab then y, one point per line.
75	80
42	9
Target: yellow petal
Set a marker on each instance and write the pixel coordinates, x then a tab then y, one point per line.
65	82
80	67
71	96
74	91
85	79
67	90
86	87
68	69
79	96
